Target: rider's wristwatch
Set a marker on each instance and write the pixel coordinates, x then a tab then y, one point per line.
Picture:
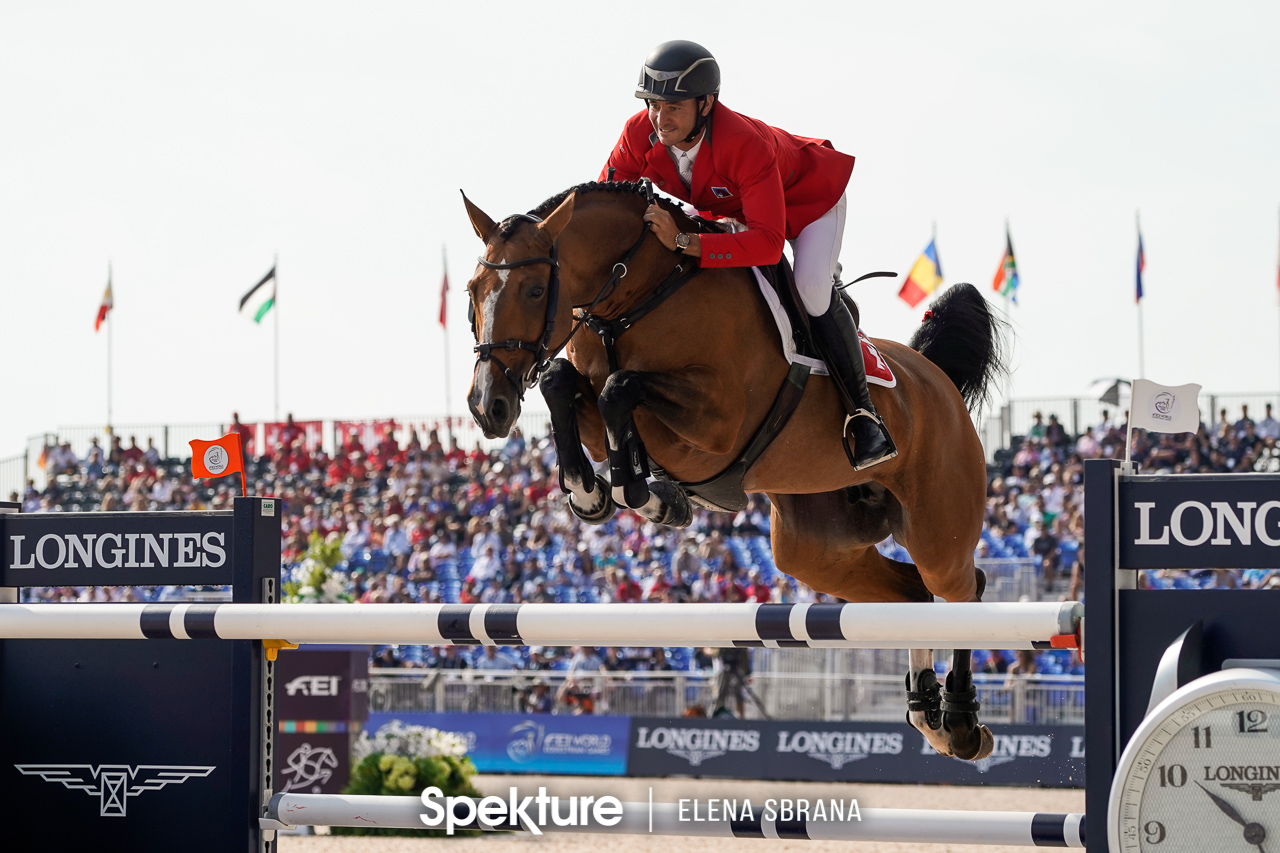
682	241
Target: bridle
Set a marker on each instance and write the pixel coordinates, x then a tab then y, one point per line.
542	351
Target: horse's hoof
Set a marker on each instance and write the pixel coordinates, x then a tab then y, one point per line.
676	511
600	514
968	750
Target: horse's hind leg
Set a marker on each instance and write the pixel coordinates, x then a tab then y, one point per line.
969	739
562	386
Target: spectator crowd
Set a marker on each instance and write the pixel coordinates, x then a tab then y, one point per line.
427	521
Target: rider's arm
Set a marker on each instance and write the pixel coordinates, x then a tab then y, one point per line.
764	211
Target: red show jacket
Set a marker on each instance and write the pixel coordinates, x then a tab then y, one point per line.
769	180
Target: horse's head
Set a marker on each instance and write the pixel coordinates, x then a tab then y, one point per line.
514	301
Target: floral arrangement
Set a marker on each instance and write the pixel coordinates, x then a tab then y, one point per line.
401	761
316	579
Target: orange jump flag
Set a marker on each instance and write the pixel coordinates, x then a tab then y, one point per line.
218	458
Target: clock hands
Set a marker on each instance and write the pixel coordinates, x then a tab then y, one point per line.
1254	833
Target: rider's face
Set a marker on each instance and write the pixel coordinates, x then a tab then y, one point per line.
674	120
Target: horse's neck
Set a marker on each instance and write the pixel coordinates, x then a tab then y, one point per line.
598	237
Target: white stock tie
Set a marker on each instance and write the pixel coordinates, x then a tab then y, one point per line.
686	170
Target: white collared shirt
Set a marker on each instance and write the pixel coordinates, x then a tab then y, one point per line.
689	156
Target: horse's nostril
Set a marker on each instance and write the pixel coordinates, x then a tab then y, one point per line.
498	410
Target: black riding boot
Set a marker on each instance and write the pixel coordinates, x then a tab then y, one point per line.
836	336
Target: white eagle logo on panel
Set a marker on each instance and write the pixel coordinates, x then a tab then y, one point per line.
113	784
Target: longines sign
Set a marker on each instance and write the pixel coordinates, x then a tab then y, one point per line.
115	548
1194	521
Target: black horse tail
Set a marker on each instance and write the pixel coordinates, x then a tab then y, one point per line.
962	336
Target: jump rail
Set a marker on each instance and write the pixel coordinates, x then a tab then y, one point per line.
919	826
877	626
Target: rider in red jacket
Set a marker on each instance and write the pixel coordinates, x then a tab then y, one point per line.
776	187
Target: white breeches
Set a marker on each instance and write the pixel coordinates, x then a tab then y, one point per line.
817	258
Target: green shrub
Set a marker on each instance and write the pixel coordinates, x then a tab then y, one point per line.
401	761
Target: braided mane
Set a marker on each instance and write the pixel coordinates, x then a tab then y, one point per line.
509	225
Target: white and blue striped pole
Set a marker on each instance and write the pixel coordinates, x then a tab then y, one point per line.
1023	625
920	826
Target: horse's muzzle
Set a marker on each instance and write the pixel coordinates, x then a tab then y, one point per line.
493	403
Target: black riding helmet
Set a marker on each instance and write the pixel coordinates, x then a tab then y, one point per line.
676	71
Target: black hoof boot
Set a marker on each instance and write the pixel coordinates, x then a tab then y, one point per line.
970	740
927	699
676	511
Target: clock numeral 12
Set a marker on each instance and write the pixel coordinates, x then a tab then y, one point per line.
1252	722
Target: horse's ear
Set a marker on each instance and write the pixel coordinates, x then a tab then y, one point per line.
558	219
479	219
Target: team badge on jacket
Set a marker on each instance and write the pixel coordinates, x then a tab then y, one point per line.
721	192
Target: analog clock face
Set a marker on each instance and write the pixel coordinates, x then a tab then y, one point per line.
1202	773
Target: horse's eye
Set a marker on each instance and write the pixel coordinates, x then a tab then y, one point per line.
536	291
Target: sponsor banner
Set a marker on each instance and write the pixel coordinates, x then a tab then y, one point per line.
1194	521
531	743
115	549
689	746
332	684
1046	756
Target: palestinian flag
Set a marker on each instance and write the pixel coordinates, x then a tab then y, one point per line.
260	299
1006	280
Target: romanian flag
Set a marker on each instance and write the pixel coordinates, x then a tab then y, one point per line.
1006	280
218	458
107	304
260	299
925	277
1142	265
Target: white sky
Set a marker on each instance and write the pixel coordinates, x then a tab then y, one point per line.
188	143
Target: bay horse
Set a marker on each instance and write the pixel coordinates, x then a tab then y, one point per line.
682	396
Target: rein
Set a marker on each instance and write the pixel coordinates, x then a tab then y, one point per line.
608	330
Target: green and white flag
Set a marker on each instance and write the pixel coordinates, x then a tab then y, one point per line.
260	298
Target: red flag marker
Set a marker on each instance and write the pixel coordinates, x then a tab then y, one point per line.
218	458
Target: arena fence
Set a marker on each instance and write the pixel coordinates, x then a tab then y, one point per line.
1077	414
1033	700
13	477
171	440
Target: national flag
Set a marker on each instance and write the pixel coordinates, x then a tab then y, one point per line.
444	291
1006	280
107	304
1164	408
218	458
1142	265
260	299
924	278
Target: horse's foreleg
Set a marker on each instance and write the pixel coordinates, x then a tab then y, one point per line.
562	387
660	501
969	739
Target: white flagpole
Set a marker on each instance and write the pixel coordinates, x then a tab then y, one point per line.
275	308
448	393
